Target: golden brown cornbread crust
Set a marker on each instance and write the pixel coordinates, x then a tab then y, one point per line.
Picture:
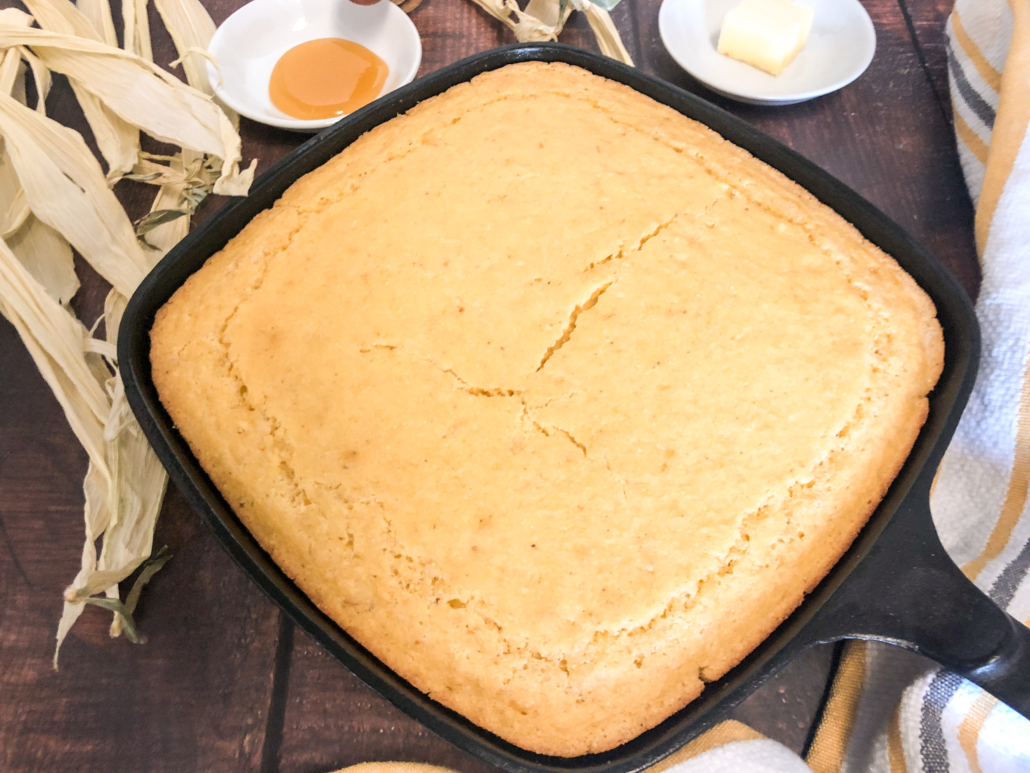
551	397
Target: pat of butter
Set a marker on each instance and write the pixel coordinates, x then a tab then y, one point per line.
766	34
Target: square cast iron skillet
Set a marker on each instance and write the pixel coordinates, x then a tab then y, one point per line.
894	584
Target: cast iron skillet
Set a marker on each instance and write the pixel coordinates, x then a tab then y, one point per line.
894	584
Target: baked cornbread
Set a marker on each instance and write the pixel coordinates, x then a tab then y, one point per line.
552	398
394	767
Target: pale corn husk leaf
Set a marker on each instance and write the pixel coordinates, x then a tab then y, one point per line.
48	257
544	19
63	17
106	350
11	70
147	170
604	30
190	27
118	141
168	234
65	188
98	12
95	486
41	76
550	14
16	17
137	29
502	10
141	484
114	307
127	511
135	501
143	48
14	210
55	340
164	107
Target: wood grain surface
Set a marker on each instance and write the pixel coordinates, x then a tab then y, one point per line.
225	682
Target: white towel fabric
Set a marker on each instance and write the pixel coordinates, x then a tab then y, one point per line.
891	711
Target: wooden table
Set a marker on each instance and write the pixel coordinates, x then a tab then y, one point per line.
225	681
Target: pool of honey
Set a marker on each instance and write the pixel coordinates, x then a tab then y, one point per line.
326	78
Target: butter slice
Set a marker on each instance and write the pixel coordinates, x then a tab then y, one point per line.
766	34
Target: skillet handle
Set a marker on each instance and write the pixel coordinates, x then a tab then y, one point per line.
908	592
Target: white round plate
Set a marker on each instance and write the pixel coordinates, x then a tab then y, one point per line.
839	49
250	42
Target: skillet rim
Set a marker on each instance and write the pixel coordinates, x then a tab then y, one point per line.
955	313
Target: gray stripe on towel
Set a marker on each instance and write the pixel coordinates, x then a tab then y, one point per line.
969	95
933	750
1012	576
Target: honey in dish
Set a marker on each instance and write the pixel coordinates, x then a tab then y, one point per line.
325	78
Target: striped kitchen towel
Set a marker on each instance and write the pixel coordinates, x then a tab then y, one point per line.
891	710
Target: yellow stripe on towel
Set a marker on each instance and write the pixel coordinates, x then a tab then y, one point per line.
895	747
1011	122
991	76
970	138
1015	497
972	724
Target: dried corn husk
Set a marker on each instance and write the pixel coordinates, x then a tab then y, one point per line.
41	75
191	28
136	29
65	188
118	140
604	30
125	482
11	70
47	257
165	235
12	62
42	251
162	106
56	341
53	192
98	12
543	20
62	17
14	210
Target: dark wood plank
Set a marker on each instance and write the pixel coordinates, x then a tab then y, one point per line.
927	20
332	720
884	135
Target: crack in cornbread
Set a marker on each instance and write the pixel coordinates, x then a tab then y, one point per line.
552	398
